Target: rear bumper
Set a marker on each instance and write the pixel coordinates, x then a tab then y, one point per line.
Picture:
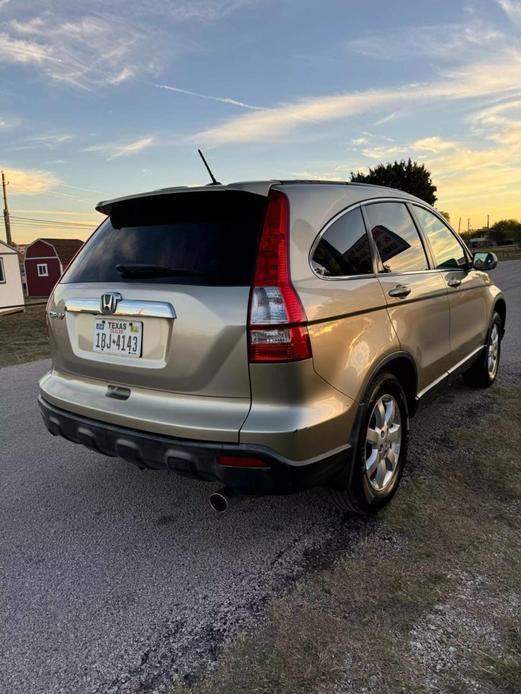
197	459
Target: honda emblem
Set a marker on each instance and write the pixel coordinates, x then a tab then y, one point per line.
110	301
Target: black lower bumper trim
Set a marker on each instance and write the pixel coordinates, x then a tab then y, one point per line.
196	459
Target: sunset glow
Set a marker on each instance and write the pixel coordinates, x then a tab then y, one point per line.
101	99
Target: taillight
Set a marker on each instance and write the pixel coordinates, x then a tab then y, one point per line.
277	329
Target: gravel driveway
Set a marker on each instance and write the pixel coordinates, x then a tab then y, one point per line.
114	579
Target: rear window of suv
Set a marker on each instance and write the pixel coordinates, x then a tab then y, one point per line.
207	238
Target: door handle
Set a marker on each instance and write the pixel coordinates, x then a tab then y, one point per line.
454	283
400	290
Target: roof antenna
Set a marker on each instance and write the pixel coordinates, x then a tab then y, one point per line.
214	182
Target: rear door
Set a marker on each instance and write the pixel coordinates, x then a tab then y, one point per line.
349	327
177	269
467	288
416	295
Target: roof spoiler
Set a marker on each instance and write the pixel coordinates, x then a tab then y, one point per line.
256	187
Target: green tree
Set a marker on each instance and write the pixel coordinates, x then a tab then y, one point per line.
409	176
506	229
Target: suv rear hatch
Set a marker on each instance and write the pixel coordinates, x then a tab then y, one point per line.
157	300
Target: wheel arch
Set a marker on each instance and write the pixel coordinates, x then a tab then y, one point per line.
401	364
500	307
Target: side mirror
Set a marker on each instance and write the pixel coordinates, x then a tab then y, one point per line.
484	261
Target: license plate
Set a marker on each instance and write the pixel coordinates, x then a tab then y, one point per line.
118	337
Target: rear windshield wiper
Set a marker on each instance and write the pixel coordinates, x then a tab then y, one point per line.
143	270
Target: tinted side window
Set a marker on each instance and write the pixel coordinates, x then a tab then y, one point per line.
396	237
447	250
344	248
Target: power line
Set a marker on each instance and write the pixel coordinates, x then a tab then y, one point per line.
42	222
53	221
63	227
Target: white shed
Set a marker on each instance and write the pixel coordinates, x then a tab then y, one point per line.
11	293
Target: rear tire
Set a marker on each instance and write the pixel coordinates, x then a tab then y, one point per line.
381	450
483	372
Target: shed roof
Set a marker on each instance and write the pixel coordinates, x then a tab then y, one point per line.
5	249
66	249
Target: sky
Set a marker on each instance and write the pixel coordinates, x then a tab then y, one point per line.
101	98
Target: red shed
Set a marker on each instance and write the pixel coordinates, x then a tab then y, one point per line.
45	261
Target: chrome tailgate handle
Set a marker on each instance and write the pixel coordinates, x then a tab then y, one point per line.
125	307
400	290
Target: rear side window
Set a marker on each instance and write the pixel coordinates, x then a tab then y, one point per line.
396	237
207	238
344	248
447	250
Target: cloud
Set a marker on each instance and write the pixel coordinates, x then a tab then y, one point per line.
88	52
326	171
51	140
88	190
383	152
13	50
386	119
311	176
500	124
205	10
115	150
434	144
443	41
475	176
170	11
477	80
124	74
133	147
222	99
490	113
93	43
47	141
30	181
512	8
357	141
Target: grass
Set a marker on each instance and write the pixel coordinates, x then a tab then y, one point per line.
23	336
427	601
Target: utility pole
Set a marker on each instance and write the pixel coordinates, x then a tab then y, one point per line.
459	225
488	221
468	225
7	221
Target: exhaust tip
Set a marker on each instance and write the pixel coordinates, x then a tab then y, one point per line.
220	501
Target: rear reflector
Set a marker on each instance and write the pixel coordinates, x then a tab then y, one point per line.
239	461
277	322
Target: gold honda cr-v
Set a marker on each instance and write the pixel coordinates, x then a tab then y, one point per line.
269	335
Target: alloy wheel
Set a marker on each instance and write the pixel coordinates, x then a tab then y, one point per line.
493	351
383	443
